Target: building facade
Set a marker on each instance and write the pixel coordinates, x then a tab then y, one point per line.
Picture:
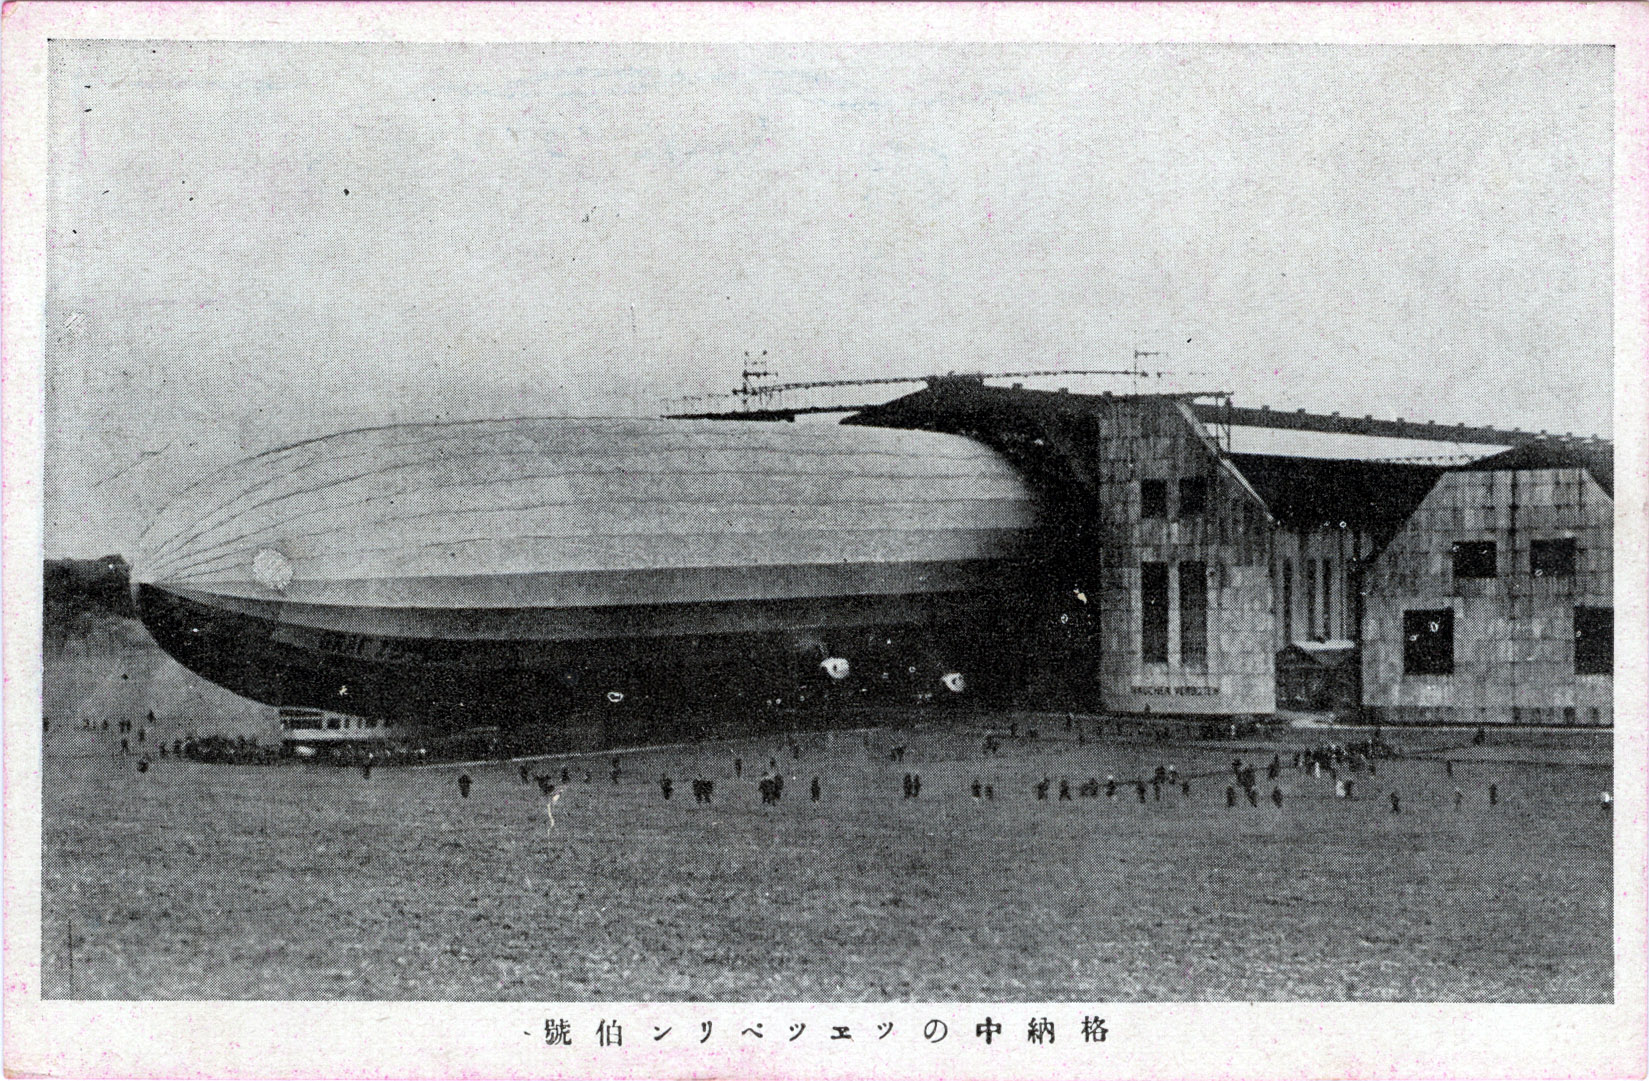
1494	603
1158	597
1185	609
1179	572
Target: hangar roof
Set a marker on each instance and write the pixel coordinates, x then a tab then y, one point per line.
1303	488
1307	493
1594	456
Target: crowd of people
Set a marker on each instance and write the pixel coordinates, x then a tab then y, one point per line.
1342	767
1338	765
144	742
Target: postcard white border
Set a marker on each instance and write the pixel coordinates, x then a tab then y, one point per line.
350	1039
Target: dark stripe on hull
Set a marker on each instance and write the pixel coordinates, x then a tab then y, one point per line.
549	591
863	595
737	653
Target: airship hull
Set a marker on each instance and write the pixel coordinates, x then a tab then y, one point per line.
511	573
741	654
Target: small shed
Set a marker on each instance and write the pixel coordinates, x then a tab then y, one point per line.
1319	675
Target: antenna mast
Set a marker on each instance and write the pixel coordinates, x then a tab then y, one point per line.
750	389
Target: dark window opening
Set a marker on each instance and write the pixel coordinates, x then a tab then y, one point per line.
1428	642
1288	601
1474	559
1193	497
1328	599
1153	612
334	722
1311	598
1552	558
1594	641
1354	590
1193	614
1153	499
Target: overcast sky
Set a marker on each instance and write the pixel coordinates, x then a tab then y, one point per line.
254	243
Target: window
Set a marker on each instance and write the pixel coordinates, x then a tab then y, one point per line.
1428	642
1288	600
1311	598
1552	558
1193	614
1474	559
1153	612
1594	641
1193	497
1328	598
1153	499
334	722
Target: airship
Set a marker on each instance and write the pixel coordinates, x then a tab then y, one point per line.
516	572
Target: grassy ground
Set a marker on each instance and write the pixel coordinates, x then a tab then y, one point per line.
195	881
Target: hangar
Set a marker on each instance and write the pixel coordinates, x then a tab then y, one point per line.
1494	602
1477	593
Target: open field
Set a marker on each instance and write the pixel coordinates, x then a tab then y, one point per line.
197	881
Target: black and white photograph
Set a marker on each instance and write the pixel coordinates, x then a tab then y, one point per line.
745	523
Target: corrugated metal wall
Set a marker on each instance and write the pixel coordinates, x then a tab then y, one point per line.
1141	440
1514	633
